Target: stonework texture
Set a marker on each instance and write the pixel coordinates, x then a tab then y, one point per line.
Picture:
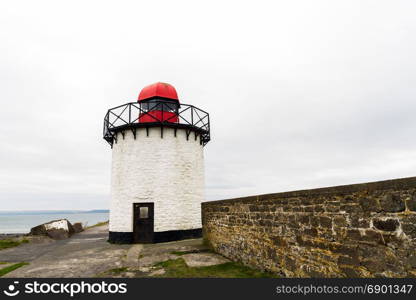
361	230
168	171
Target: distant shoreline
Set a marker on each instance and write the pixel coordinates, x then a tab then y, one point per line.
50	212
11	235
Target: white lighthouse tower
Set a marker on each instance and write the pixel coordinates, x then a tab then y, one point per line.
157	173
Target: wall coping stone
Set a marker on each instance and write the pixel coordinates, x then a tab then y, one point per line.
401	183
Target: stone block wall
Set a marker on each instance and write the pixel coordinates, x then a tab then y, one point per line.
360	230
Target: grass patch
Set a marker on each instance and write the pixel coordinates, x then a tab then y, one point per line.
8	269
117	270
9	243
98	224
177	268
111	272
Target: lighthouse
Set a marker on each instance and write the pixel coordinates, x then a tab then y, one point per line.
157	170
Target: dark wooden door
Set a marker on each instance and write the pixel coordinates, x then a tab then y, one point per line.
143	222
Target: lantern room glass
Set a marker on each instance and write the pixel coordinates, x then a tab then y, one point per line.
160	105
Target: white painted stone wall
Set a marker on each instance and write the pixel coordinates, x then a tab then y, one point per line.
167	171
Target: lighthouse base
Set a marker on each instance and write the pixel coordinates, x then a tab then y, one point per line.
158	237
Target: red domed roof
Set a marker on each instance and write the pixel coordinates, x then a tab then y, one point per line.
158	89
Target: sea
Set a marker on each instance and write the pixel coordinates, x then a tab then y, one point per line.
22	221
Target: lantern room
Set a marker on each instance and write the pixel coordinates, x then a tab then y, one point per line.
158	103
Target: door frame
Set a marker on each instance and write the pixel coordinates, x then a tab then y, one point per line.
151	221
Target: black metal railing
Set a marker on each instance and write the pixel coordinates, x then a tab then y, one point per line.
131	116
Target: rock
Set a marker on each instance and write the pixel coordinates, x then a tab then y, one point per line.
78	227
129	274
350	272
144	269
392	203
347	260
370	204
340	221
158	272
373	236
203	259
409	229
151	259
325	222
411	203
411	260
354	234
57	229
374	265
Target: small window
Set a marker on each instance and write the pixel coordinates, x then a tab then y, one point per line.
153	105
144	213
157	104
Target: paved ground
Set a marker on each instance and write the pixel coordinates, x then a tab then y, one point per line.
141	259
153	253
88	254
29	252
83	255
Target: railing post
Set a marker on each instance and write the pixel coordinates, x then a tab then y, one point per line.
104	125
208	124
107	122
129	113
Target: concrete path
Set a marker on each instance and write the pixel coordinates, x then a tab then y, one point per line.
29	252
85	254
142	260
154	253
132	257
88	254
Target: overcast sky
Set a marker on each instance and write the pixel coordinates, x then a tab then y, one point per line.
301	94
